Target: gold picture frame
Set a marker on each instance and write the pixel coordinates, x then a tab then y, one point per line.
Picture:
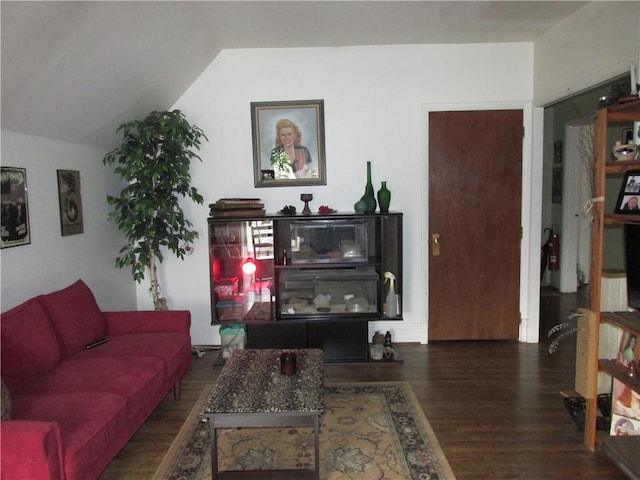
288	143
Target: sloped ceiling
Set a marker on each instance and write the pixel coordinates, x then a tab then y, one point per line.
74	71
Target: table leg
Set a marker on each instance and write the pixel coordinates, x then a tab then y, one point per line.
214	449
316	425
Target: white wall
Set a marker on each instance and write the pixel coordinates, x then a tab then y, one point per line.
592	46
51	261
376	99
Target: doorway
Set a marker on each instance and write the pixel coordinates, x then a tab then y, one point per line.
475	195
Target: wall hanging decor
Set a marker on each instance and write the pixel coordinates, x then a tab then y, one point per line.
71	219
556	186
288	143
15	208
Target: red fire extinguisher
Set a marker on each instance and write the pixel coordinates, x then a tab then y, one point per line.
553	249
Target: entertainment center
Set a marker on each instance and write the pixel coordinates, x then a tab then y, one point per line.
305	281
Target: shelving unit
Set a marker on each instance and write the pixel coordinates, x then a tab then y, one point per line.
616	447
319	285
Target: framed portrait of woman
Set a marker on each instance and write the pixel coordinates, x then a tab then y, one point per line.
288	143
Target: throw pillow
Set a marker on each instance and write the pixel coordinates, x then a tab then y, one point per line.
76	317
30	347
5	403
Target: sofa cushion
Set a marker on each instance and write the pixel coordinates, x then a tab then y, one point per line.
28	344
75	316
88	423
171	347
134	378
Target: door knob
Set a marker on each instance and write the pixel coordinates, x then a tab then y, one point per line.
435	244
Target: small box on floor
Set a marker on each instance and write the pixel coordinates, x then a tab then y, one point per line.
232	337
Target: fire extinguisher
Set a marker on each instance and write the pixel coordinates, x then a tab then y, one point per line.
553	249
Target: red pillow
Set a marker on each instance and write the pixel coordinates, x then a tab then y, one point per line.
29	347
75	316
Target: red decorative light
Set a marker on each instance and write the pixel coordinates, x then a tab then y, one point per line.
249	266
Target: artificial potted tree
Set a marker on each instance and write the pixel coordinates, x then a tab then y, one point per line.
154	160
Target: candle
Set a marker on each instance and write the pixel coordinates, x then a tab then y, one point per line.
288	363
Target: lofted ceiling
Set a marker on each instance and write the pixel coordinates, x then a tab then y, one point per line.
74	71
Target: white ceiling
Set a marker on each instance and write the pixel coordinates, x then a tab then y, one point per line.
74	71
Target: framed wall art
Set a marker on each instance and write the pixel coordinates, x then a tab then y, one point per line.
71	219
556	185
626	136
629	197
288	143
15	208
557	153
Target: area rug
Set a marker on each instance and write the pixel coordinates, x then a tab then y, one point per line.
368	431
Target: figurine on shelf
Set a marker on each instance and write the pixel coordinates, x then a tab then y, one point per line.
288	210
325	210
306	198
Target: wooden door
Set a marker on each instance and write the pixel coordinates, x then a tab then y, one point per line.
475	184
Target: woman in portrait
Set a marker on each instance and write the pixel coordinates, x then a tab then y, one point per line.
631	204
628	350
628	403
289	158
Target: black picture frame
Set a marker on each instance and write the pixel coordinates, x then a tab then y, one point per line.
272	167
556	185
557	153
15	228
629	197
70	200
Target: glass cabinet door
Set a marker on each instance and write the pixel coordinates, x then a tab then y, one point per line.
241	270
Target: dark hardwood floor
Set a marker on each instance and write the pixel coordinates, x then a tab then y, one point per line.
494	406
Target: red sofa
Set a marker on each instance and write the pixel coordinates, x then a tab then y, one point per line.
73	408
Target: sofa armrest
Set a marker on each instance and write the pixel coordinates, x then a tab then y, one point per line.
148	321
31	449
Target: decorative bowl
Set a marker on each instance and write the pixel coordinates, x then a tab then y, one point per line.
624	152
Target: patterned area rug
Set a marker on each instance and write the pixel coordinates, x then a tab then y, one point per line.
367	431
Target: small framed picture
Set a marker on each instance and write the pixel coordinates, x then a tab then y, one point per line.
71	220
557	153
15	208
556	185
629	194
626	136
288	143
627	351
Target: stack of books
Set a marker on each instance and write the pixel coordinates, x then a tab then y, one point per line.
237	207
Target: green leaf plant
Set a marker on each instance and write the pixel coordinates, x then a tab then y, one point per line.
154	160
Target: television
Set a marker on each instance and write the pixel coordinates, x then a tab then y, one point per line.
632	263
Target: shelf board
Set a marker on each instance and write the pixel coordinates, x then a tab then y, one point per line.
626	112
622	167
620	219
629	321
610	367
624	453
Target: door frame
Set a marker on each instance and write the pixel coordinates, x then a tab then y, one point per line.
531	216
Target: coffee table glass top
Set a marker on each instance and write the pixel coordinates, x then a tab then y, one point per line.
251	382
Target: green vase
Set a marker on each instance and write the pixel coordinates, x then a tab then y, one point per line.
369	196
384	198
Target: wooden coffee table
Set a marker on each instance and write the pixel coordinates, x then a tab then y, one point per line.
251	392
